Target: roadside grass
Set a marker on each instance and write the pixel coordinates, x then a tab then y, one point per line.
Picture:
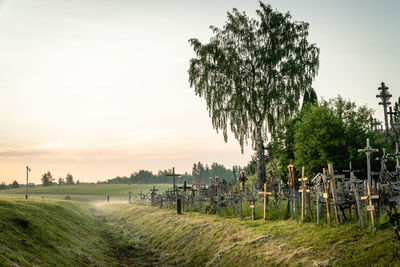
200	239
49	233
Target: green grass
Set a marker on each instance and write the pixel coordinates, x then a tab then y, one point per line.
201	239
49	233
86	192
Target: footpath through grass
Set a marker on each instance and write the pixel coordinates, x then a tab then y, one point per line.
199	239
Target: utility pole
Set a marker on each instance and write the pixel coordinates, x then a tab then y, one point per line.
27	171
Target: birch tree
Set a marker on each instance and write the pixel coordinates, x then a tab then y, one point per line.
252	74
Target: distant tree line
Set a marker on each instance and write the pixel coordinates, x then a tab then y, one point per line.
200	172
48	180
14	184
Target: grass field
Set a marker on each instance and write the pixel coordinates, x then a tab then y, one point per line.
86	192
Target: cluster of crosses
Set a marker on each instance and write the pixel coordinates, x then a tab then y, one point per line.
329	193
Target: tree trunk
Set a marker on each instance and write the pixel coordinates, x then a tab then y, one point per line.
260	157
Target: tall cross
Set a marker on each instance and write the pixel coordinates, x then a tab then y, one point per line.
174	176
370	207
391	113
265	194
397	156
385	96
368	150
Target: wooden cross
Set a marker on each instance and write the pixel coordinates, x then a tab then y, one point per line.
174	176
370	208
331	174
265	194
368	150
303	191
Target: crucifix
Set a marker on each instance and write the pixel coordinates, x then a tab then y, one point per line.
368	150
265	194
370	207
385	96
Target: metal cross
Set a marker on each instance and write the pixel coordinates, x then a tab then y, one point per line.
368	150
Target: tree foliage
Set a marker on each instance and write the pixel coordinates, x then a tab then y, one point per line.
252	73
15	184
332	131
47	179
69	179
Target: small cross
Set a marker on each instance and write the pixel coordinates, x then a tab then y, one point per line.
370	208
265	194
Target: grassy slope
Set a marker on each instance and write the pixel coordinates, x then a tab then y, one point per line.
197	239
49	233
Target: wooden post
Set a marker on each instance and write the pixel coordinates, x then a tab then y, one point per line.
370	207
303	192
356	196
317	199
338	212
252	207
326	196
291	183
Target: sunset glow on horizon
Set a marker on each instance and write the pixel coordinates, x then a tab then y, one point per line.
100	88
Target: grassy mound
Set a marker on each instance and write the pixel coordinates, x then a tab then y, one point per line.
198	239
49	233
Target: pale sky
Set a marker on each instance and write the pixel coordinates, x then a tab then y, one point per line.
100	88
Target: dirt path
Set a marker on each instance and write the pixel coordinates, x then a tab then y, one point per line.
123	251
